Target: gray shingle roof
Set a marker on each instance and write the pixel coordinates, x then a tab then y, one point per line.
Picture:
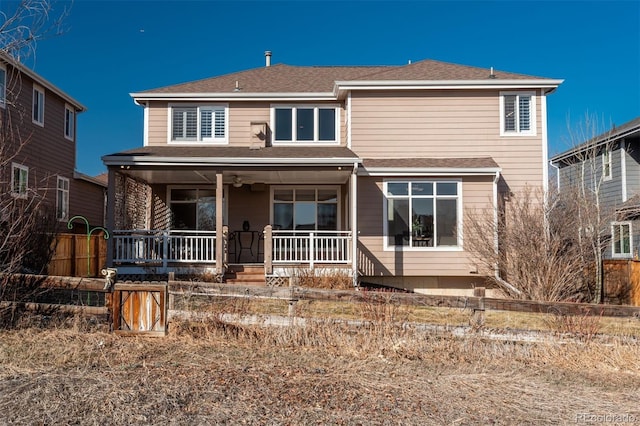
320	79
431	163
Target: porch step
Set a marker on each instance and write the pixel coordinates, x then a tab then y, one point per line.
245	275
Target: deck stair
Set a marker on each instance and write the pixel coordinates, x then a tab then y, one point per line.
245	275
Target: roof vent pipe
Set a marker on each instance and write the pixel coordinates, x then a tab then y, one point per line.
267	57
492	75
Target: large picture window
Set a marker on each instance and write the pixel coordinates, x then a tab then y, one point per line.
305	124
199	124
307	209
517	113
422	213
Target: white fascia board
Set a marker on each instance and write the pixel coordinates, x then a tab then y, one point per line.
434	171
218	97
446	84
236	161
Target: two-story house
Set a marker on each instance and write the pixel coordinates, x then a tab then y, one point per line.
38	156
608	165
366	168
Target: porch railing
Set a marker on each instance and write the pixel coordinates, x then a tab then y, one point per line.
312	247
164	246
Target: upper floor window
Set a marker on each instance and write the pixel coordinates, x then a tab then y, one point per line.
606	164
304	123
69	122
38	105
19	180
3	86
517	113
621	241
422	213
199	124
62	199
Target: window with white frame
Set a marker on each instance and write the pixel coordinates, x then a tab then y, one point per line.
517	113
305	124
621	240
199	124
62	199
19	180
606	164
69	122
193	208
38	105
3	86
307	209
422	213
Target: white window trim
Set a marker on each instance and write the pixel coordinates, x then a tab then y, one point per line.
15	166
72	129
273	188
607	164
315	141
613	251
3	89
67	200
385	231
198	140
40	119
534	124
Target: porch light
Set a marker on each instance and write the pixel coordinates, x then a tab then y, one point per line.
237	181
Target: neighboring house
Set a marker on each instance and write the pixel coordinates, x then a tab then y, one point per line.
610	162
367	168
38	125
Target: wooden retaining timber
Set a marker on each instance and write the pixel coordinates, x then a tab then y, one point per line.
469	302
142	308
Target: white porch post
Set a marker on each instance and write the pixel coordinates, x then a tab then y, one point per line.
353	198
219	230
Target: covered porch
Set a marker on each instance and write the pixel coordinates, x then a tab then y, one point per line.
198	210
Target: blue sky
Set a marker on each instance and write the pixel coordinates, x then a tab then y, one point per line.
113	48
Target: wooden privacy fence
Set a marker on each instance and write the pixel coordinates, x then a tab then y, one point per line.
622	282
71	256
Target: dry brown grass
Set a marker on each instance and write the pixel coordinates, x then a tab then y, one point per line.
383	372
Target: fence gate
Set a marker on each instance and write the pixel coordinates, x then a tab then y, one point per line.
140	309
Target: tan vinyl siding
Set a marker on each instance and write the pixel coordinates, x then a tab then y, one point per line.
374	260
453	123
241	115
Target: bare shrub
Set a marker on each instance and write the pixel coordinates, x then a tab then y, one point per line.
534	249
584	326
323	279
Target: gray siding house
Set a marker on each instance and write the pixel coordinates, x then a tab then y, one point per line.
611	162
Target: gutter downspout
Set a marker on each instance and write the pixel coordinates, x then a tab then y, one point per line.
497	276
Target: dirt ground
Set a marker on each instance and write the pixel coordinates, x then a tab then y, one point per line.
211	372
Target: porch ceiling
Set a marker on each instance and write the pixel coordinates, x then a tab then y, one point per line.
336	175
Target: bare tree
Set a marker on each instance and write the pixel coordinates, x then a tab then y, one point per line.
590	163
551	246
27	223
